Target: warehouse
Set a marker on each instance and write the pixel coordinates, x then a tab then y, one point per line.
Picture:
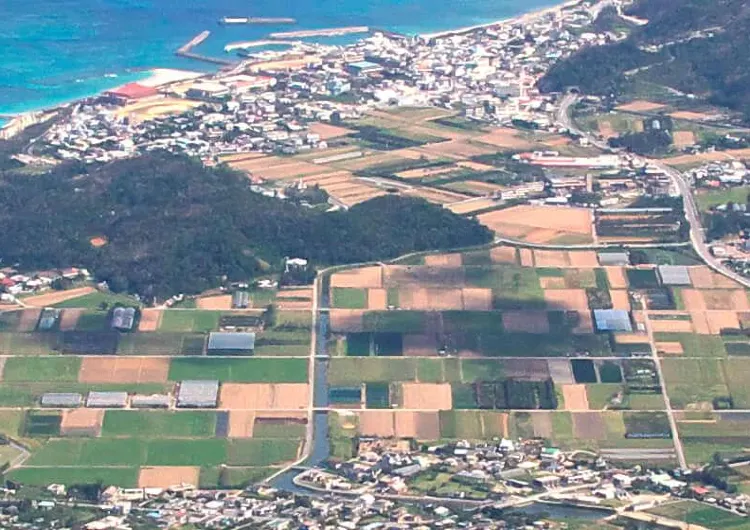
107	400
61	400
198	394
228	343
153	401
612	320
674	275
614	259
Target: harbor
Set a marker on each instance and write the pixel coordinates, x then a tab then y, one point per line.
243	45
328	32
186	51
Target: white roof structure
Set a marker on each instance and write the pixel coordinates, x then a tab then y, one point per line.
60	399
612	320
198	394
107	399
674	275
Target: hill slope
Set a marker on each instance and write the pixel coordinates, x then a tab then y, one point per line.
701	49
173	225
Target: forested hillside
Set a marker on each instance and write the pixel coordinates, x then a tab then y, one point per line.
173	225
704	52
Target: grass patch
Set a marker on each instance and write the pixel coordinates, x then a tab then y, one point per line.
189	320
642	278
126	477
98	300
695	345
22	369
694	380
159	424
697	513
349	298
247	370
394	321
261	452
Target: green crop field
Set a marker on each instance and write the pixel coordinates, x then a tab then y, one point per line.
253	452
95	301
694	380
159	423
347	298
738	379
279	430
10	422
189	320
344	371
709	199
695	345
22	369
126	477
28	394
245	370
702	514
27	343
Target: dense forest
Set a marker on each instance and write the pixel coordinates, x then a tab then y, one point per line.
704	53
173	225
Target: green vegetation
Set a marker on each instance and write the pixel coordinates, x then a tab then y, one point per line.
21	369
99	300
691	381
346	298
709	199
248	370
695	345
701	514
159	424
126	477
157	249
41	423
189	320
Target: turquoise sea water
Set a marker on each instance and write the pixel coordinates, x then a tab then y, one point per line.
52	51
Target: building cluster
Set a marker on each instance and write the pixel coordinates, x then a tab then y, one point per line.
14	283
721	174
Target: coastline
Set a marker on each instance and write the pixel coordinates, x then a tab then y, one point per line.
147	75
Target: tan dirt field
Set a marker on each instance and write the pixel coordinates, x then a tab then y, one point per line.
690	116
418	425
423	172
669	348
542	422
365	277
69	319
539	223
700	322
729	154
456	149
430	299
551	258
526	321
377	423
29	319
240	157
503	255
617	278
527	257
98	242
427	396
377	299
606	130
671	326
640	105
124	370
719	320
419	345
630	338
220	302
476	166
683	138
620	300
422	276
436	196
477	299
151	108
241	423
552	282
556	140
575	397
559	299
583	259
293	305
288	171
443	260
150	319
589	426
471	206
704	278
55	297
505	138
264	396
725	299
294	293
328	131
82	421
346	320
586	324
167	476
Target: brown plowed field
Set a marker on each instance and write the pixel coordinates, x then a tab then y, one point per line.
427	396
377	423
377	299
456	149
583	259
526	257
475	299
412	275
431	299
620	300
630	338
542	422
683	138
526	321
539	224
418	425
671	326
730	300
216	303
552	282
691	116
443	260
419	346
589	426
124	370
575	397
551	258
167	476
150	319
264	396
55	297
241	423
719	320
669	348
294	293
346	320
328	131
617	278
640	105
505	138
69	319
437	196
503	255
704	278
83	421
700	322
693	300
561	299
365	277
471	206
29	319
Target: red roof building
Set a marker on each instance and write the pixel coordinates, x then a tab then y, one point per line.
132	91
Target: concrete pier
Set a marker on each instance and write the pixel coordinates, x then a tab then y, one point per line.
186	51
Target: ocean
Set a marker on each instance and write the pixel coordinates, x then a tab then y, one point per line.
53	51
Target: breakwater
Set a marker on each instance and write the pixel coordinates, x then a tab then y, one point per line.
328	32
257	20
186	50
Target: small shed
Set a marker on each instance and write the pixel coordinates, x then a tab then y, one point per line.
674	275
62	399
614	259
198	394
107	400
612	320
123	318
